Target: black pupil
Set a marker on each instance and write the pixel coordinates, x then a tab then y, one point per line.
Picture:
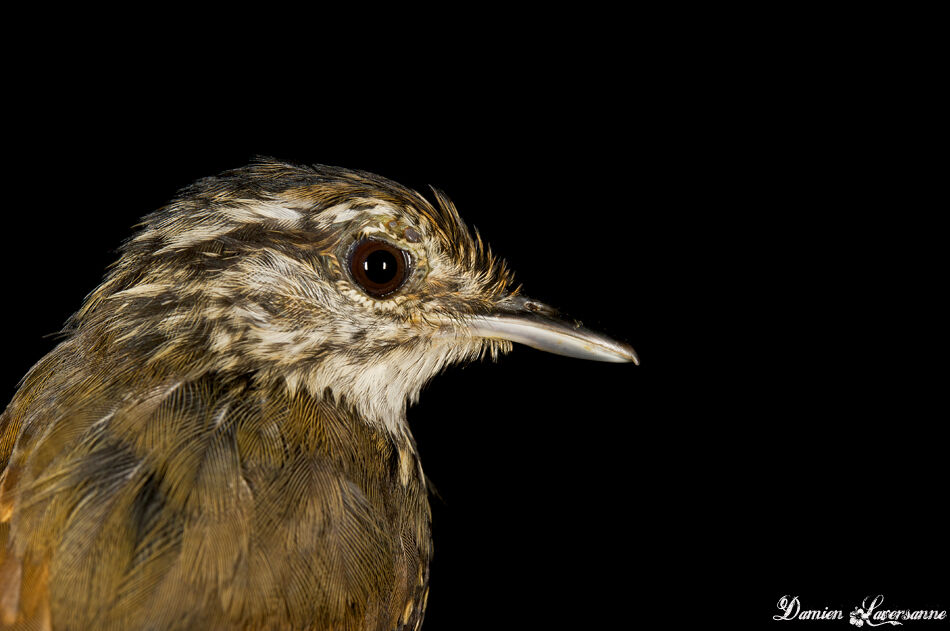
380	267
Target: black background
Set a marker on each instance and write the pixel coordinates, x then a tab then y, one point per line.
746	202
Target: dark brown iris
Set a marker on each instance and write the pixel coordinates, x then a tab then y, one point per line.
378	267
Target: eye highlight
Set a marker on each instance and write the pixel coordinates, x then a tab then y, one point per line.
378	267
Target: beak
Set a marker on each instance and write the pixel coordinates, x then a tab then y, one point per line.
535	324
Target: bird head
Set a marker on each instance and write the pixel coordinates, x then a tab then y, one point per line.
339	282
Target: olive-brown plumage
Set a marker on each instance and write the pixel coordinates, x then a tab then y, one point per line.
220	442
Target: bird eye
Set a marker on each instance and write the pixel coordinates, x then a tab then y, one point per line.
378	267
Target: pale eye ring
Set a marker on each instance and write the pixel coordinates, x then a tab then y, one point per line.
378	267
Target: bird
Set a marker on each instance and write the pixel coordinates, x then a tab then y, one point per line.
219	441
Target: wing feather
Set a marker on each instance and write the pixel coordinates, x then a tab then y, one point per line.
202	502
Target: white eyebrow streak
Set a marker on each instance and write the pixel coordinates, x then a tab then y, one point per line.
147	289
341	213
192	237
185	231
250	211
